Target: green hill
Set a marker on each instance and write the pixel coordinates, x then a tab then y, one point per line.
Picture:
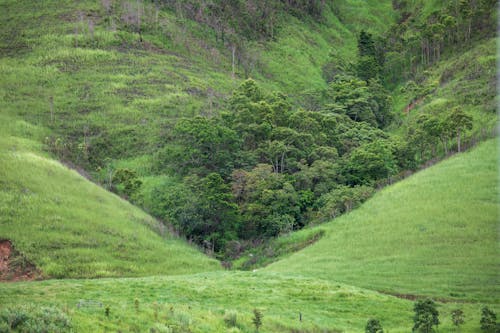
70	227
433	234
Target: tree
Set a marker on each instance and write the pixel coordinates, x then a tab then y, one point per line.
373	326
459	122
457	317
369	163
489	321
202	145
257	319
426	316
366	45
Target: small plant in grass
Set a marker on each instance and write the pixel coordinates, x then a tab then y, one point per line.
156	307
136	305
489	321
257	319
231	318
426	316
373	326
457	317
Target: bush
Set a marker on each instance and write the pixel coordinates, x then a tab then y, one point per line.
32	319
426	316
457	317
373	326
257	319
489	321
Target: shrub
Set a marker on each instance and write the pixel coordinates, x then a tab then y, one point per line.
426	316
32	319
457	317
373	326
489	320
257	319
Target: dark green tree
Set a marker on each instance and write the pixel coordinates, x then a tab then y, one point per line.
426	316
489	321
373	326
257	319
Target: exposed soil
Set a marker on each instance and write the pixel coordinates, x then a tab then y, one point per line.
412	105
411	297
14	266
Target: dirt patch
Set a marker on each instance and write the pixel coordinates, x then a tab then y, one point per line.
412	105
14	266
411	297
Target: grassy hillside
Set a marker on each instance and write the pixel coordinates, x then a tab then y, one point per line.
69	227
432	234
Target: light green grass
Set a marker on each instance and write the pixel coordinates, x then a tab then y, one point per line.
432	234
197	303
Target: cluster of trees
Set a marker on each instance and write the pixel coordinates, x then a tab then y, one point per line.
412	42
254	19
262	166
426	319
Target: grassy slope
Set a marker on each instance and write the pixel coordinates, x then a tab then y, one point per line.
467	80
432	234
70	227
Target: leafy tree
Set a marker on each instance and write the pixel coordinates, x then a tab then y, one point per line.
366	45
351	96
459	122
342	199
367	68
369	163
426	316
373	326
202	145
489	321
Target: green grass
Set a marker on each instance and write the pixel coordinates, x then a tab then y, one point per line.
432	234
70	227
197	303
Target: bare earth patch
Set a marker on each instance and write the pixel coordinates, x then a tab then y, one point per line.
14	266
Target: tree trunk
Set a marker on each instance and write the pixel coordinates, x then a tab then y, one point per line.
233	62
458	140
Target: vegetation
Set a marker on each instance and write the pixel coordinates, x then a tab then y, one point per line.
426	316
423	224
69	227
252	130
